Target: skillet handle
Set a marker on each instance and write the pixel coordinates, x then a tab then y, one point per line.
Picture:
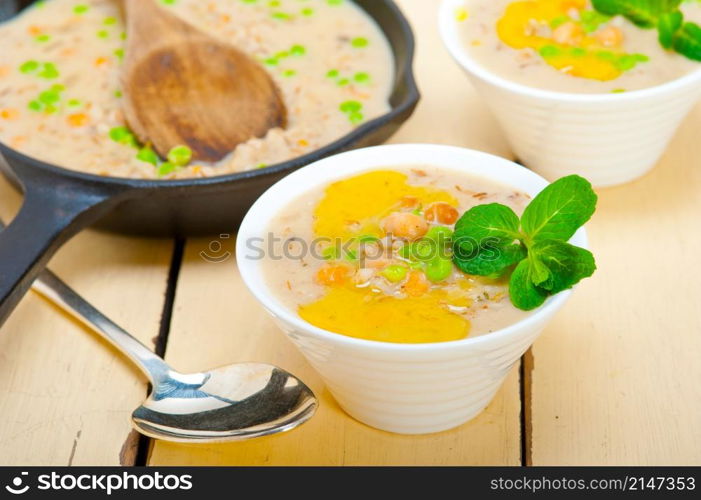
53	211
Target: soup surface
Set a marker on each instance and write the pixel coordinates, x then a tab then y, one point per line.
370	257
60	92
564	45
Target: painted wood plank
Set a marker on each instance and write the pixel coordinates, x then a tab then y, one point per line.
615	379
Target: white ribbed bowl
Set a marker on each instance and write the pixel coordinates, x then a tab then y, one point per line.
404	388
608	138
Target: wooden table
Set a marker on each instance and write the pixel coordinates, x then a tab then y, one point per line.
614	380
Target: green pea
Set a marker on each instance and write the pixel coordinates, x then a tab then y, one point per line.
356	118
119	134
422	250
439	234
280	16
351	106
119	53
35	106
42	38
559	21
74	103
166	168
49	71
109	21
49	97
333	73
81	9
394	273
550	51
361	77
180	156
288	73
360	42
29	67
103	34
343	82
439	269
271	61
298	50
334	2
307	11
368	238
148	155
330	253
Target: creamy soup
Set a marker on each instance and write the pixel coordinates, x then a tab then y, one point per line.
60	94
370	257
564	45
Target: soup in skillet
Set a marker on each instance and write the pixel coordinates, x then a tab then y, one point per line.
60	93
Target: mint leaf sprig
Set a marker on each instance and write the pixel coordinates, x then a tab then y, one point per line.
664	15
491	240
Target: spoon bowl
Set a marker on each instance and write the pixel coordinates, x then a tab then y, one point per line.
231	403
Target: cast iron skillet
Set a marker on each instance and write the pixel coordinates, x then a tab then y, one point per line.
58	202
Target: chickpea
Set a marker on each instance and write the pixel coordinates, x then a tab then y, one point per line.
405	225
568	33
610	37
442	212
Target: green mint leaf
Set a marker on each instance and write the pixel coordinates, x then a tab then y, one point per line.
560	209
524	294
643	13
488	259
567	265
667	26
492	220
541	276
687	41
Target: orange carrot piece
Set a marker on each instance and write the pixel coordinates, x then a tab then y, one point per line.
416	285
78	120
332	275
9	114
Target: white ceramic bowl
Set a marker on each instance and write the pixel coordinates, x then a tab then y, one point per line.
608	138
404	388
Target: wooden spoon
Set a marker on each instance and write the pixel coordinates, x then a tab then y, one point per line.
183	87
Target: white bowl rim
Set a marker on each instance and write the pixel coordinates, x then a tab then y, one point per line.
251	226
448	28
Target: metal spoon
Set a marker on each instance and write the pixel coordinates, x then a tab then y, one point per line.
235	402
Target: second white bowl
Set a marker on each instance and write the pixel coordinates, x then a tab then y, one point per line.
608	138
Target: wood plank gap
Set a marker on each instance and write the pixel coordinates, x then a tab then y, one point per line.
525	381
161	341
